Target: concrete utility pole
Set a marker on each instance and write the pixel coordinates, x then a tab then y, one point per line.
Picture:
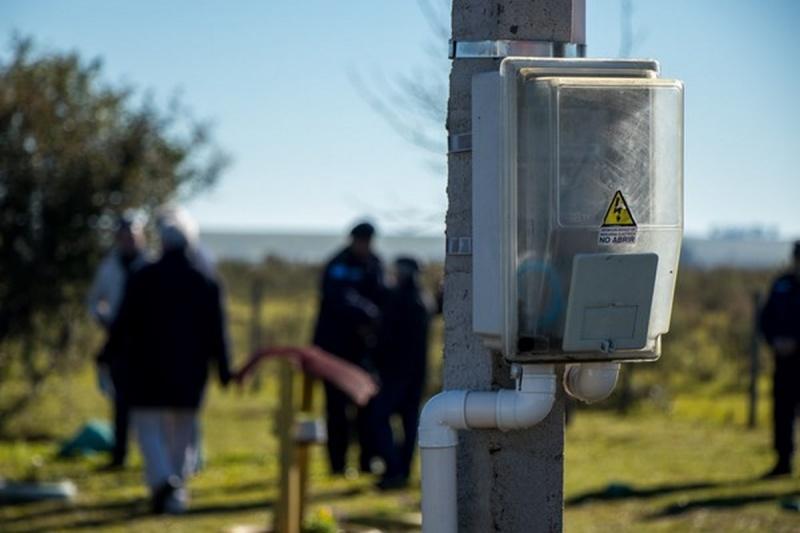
513	481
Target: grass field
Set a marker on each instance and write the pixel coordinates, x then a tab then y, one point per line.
685	462
693	468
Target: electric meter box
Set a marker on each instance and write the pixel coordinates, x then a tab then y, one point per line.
577	208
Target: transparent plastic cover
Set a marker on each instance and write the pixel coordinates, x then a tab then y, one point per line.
599	171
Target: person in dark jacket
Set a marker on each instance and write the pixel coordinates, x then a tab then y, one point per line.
170	328
780	325
401	361
349	313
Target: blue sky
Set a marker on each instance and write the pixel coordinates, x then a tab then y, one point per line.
310	154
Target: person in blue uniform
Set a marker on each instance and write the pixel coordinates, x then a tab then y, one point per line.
401	361
780	325
349	315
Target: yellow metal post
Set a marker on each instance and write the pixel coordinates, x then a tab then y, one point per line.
303	448
287	517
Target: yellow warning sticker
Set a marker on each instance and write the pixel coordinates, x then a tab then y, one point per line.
619	226
618	214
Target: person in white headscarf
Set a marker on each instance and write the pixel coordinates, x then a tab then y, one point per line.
171	328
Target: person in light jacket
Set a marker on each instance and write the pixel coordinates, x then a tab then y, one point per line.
104	300
170	330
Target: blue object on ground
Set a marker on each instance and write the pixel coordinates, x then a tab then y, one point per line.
95	436
790	504
618	490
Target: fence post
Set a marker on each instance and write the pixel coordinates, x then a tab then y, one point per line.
752	416
256	298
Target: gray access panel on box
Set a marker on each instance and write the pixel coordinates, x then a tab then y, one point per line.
609	302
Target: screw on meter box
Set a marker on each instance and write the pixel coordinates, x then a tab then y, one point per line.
619	226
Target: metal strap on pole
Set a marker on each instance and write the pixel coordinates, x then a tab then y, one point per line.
499	49
507	48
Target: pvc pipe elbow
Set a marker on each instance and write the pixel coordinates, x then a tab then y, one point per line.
441	417
591	382
518	410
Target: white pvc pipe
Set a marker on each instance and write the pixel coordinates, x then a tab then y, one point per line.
439	507
590	382
448	411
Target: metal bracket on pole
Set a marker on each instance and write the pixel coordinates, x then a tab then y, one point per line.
459	142
459	246
508	48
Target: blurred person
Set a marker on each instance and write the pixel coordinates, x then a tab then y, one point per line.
780	324
170	327
401	360
104	300
351	289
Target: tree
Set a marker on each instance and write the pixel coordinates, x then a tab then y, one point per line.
74	153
